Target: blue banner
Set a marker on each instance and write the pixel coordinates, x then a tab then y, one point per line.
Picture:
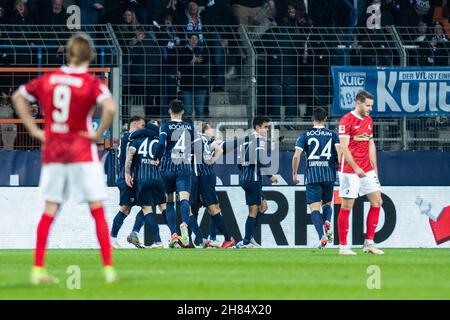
398	91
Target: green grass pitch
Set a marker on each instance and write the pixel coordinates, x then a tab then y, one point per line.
234	274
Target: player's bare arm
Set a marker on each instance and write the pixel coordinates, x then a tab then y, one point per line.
295	163
128	162
338	150
108	111
348	156
22	107
373	155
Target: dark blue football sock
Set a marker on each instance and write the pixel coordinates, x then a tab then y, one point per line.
139	222
250	226
317	220
152	225
193	225
220	223
327	212
164	216
185	211
171	217
117	223
258	219
212	229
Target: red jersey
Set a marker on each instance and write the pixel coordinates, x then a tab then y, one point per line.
67	98
360	132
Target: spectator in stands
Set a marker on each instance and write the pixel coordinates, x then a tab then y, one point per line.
435	51
193	20
56	15
439	32
147	10
20	14
91	11
130	22
264	19
7	130
35	111
244	11
2	14
175	9
193	67
218	14
169	41
409	14
145	71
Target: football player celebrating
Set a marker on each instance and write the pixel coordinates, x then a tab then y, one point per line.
358	173
250	178
321	147
149	185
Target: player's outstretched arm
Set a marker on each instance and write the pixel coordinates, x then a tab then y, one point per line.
349	158
295	162
22	107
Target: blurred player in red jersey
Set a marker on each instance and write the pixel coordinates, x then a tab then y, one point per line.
358	172
70	162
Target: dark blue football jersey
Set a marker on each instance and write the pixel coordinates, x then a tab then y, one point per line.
146	154
176	138
318	143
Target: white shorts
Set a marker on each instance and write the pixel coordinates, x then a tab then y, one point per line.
352	186
85	181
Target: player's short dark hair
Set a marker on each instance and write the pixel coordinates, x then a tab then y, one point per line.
319	114
205	126
176	106
362	95
135	118
259	120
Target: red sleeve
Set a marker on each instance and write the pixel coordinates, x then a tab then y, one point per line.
31	90
345	127
101	92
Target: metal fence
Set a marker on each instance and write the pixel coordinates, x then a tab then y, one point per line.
227	74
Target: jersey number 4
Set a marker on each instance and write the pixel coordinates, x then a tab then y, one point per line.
326	152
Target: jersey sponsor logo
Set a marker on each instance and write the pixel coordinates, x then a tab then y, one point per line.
342	128
357	127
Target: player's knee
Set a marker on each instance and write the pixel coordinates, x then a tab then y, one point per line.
377	202
125	210
213	209
263	207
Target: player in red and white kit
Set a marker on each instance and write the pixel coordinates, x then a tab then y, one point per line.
358	172
70	162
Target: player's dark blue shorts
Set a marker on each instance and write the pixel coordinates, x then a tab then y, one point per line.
194	195
127	194
176	181
321	191
253	192
150	192
207	188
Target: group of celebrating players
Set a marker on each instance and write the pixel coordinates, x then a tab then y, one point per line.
173	163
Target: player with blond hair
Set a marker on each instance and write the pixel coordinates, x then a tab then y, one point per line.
70	161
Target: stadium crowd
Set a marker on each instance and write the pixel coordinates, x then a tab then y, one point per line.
180	48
